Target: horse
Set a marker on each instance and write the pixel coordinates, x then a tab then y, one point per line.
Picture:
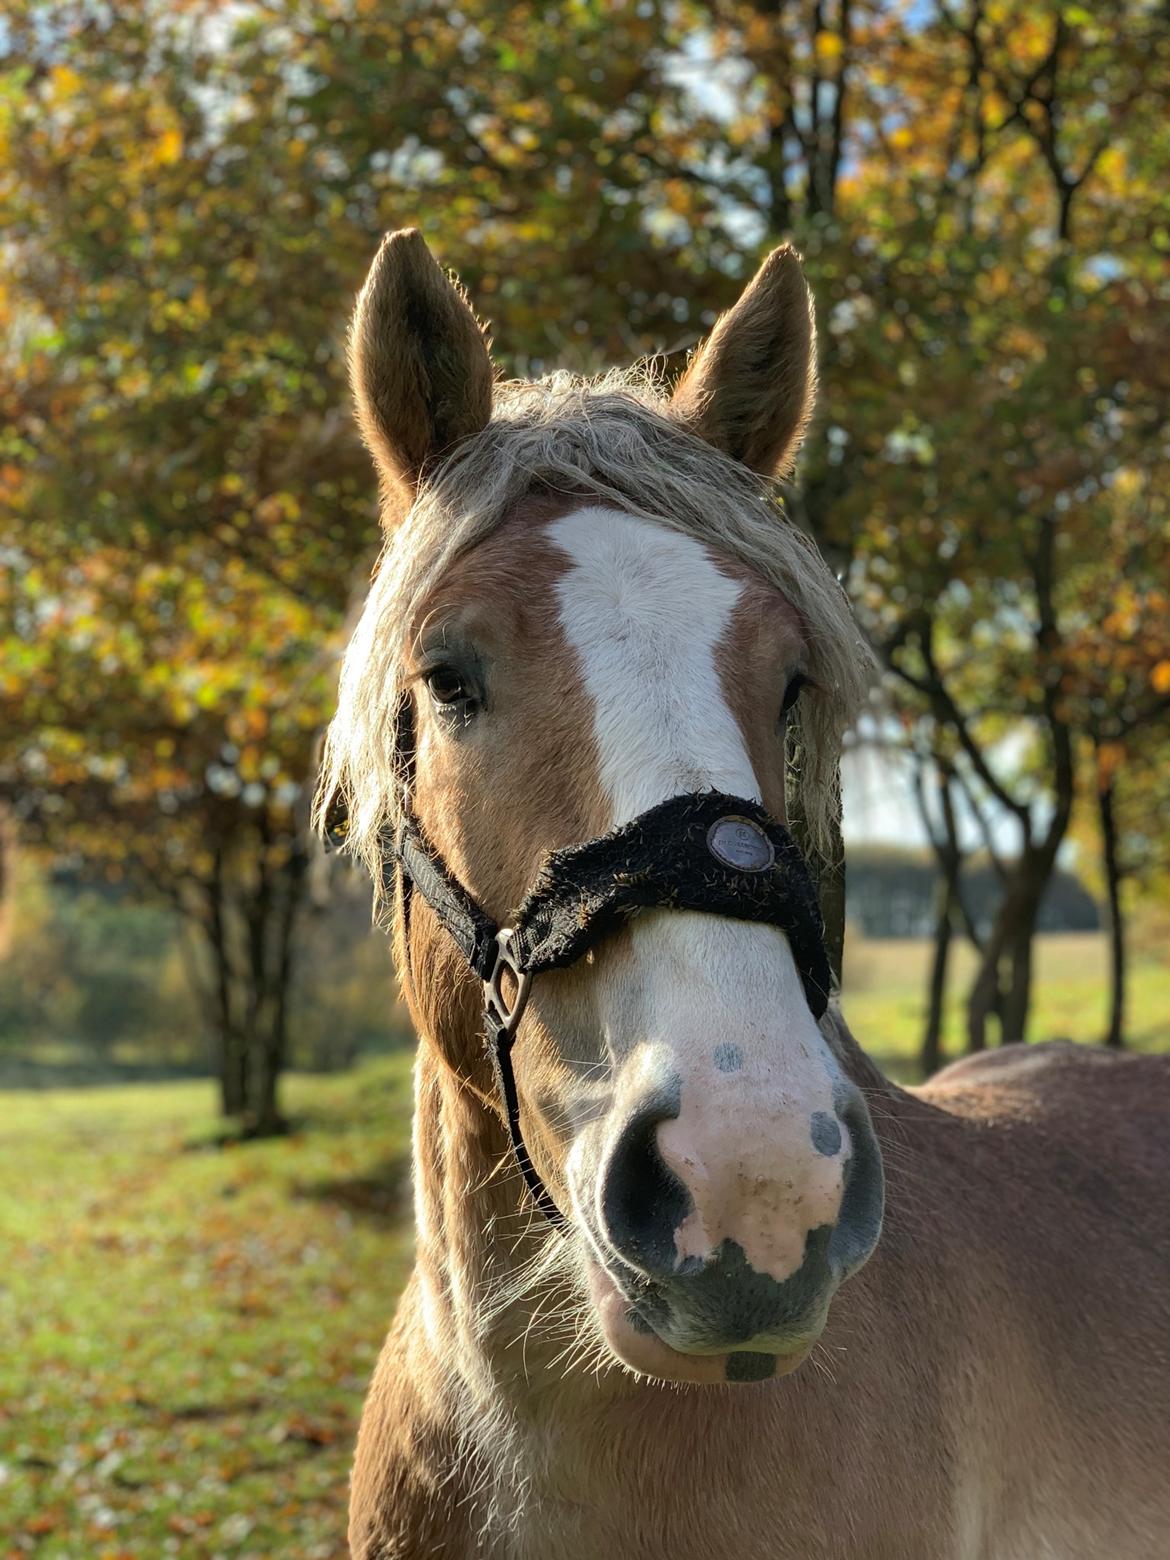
693	1278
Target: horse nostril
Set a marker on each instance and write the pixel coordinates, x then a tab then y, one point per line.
642	1201
863	1201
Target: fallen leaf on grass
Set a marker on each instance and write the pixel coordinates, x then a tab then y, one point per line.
44	1522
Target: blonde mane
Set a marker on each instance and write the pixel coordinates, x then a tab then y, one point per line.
613	439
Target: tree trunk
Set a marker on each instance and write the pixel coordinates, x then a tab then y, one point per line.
1115	1035
1008	952
984	998
277	906
269	1054
949	906
230	1052
252	903
931	1056
1018	997
1034	872
233	1072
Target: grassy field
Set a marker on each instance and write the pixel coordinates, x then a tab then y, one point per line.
884	996
187	1330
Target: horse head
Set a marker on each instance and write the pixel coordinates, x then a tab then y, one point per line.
591	602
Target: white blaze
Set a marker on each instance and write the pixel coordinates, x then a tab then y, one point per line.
646	610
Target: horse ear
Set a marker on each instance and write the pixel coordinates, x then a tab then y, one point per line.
419	366
751	387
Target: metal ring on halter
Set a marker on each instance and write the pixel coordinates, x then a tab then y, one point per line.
505	1018
502	1022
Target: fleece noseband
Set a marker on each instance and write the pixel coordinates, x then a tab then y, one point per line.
722	855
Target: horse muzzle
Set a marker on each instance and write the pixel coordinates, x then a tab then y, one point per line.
726	1270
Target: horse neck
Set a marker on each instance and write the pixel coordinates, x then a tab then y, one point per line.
491	1270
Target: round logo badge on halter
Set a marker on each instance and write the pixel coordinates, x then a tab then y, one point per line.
740	843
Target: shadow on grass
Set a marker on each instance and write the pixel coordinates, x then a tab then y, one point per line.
381	1197
76	1071
230	1132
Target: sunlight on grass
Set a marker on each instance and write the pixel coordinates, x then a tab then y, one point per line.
189	1328
189	1331
884	996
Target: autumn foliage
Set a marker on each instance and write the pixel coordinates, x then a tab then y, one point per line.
190	195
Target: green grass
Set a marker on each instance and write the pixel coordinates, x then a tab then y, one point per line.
884	996
186	1332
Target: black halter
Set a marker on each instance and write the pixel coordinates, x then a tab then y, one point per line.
705	851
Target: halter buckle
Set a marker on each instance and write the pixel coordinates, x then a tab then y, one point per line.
505	1018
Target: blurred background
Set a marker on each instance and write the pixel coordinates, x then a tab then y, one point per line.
204	1069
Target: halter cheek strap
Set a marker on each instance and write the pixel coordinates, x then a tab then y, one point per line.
703	851
488	950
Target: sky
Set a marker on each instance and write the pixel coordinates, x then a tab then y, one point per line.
880	807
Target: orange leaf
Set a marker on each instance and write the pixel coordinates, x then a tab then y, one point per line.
1110	757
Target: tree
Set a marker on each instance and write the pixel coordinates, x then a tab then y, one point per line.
181	519
951	912
1024	387
192	194
185	774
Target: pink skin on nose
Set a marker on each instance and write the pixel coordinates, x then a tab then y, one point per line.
744	1145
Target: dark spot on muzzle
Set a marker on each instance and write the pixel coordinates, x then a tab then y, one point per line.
826	1133
750	1367
728	1058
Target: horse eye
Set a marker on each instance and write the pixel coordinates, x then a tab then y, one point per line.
796	686
446	686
